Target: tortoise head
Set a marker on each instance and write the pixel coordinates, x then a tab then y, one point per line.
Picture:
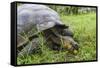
69	44
66	40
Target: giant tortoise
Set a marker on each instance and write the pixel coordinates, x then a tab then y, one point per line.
35	19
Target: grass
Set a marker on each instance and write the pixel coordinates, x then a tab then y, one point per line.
84	28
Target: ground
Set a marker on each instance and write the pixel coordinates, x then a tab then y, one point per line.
84	28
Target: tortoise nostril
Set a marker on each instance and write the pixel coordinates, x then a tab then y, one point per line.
76	46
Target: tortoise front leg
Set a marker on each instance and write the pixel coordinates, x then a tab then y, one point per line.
30	48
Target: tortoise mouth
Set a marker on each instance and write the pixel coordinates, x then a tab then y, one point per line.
69	44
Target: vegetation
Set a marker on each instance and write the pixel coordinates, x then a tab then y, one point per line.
84	28
72	10
82	21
